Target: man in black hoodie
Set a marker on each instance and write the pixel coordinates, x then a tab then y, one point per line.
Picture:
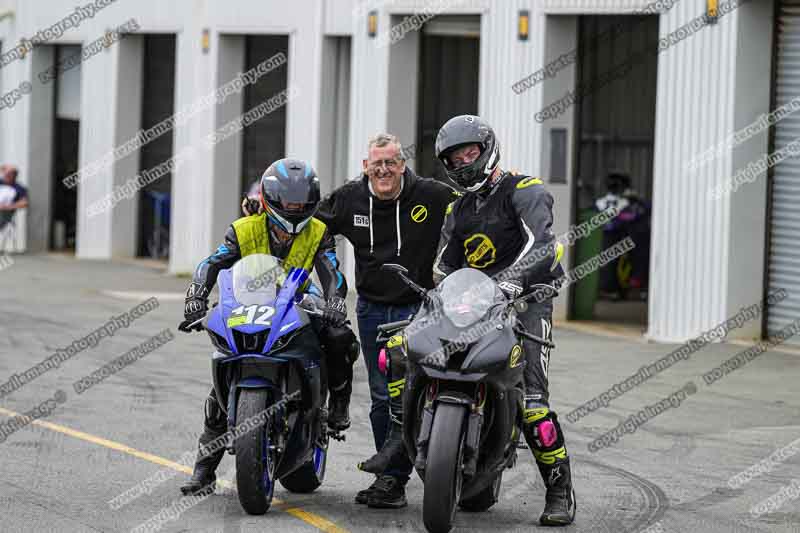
389	215
501	226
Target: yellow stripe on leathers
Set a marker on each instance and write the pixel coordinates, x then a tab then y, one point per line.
394	341
396	387
549	458
537	413
317	521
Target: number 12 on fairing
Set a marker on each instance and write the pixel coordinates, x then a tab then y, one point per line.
247	315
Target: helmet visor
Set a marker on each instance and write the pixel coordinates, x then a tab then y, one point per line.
295	200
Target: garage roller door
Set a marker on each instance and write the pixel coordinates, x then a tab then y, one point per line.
784	260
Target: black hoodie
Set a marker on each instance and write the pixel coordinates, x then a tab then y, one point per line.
404	231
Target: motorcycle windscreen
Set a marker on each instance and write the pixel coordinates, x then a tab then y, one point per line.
257	278
466	310
467	295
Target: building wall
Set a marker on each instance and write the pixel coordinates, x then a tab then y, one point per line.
747	241
703	265
197	216
695	282
707	256
524	142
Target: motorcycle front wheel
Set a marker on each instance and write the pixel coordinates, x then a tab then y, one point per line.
255	454
443	476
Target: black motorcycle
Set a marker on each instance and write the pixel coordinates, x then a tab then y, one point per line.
464	393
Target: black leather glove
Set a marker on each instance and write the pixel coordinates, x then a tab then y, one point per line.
195	307
250	206
335	312
512	288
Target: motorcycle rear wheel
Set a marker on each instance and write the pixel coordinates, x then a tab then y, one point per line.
485	498
310	476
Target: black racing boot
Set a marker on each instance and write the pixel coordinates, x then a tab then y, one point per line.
393	446
545	439
559	507
214	426
203	477
339	407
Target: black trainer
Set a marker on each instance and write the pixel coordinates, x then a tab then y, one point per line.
363	495
389	493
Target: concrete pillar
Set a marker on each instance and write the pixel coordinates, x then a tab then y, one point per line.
368	114
128	72
192	233
560	37
402	94
97	139
228	153
747	213
39	168
707	255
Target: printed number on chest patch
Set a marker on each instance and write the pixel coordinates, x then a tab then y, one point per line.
360	221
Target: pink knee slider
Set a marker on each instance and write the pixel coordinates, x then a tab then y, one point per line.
383	361
547	433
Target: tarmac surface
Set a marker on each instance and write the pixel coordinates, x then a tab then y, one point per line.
60	472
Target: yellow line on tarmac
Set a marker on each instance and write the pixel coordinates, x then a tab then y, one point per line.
317	521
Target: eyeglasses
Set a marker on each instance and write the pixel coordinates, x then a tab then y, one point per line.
388	164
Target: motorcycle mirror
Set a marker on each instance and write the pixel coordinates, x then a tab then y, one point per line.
394	267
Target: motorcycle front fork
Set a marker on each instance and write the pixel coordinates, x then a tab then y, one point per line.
473	430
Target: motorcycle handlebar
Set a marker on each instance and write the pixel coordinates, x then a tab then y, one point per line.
391	326
519	330
188	327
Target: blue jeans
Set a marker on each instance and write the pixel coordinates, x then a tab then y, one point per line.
370	316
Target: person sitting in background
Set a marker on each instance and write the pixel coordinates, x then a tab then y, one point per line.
13	196
632	220
254	190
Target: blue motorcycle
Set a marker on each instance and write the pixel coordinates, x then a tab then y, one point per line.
268	378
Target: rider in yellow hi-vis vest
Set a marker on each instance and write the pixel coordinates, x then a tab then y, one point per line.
251	233
287	229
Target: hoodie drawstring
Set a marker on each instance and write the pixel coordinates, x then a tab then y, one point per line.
371	240
397	218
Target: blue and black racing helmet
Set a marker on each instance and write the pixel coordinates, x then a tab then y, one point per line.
290	194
